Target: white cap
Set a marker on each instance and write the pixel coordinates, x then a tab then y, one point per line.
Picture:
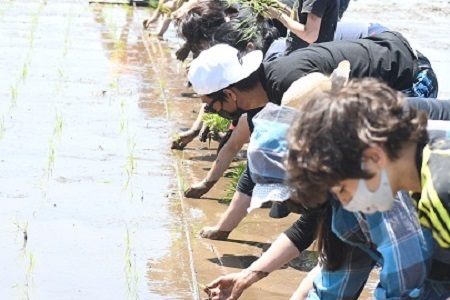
218	67
264	192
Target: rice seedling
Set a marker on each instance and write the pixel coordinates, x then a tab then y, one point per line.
24	71
260	12
234	175
31	264
57	130
130	165
60	73
29	281
123	117
114	85
23	228
34	22
51	158
216	122
13	89
131	274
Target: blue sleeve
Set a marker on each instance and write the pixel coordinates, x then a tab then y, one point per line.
347	282
406	250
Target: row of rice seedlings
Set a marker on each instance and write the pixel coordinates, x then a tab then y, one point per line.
34	23
58	122
130	164
26	63
131	274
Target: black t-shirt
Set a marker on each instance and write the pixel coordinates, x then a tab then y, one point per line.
328	10
302	233
386	56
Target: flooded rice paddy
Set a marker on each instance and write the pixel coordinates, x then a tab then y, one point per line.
88	206
90	203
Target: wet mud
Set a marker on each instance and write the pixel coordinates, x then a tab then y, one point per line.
90	201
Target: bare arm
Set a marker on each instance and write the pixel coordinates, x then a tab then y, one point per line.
239	137
232	285
309	32
184	8
280	252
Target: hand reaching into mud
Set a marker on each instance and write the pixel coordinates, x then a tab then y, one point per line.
231	286
213	233
199	189
184	139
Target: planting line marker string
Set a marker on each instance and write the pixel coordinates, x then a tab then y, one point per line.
194	287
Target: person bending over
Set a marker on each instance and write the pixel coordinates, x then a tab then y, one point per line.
246	84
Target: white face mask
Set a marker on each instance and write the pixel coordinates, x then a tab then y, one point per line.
369	202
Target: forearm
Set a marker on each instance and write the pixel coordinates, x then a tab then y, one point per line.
307	33
280	253
221	163
238	138
197	125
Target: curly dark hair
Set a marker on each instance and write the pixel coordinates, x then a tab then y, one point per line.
200	23
327	142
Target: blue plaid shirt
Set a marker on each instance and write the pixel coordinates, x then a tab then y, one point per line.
393	239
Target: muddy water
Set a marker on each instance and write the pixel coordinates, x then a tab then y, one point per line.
87	202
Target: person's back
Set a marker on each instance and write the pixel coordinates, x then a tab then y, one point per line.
386	56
